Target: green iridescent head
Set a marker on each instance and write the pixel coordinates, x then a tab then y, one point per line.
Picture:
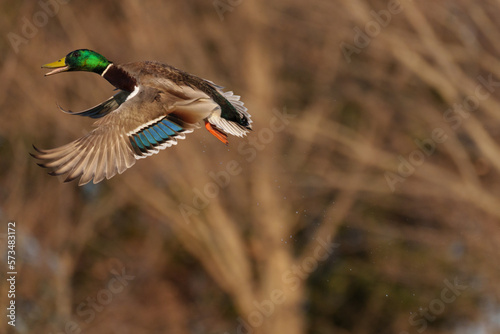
79	60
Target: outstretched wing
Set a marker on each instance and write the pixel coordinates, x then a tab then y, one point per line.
102	109
100	154
138	128
108	150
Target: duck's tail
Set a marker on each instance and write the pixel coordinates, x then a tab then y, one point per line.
232	118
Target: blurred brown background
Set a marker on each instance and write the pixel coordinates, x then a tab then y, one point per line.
372	207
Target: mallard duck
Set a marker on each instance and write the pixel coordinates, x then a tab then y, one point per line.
156	105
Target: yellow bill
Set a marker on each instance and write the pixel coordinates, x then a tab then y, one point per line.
59	66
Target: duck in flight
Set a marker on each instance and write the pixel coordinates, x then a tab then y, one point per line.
156	104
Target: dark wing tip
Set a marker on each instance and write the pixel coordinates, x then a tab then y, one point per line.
37	149
69	179
63	110
37	154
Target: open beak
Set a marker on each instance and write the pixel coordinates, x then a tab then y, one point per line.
59	66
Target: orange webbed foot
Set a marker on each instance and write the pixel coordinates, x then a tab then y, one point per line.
217	133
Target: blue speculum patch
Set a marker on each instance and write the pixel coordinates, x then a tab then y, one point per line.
154	135
172	125
166	129
144	139
150	137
